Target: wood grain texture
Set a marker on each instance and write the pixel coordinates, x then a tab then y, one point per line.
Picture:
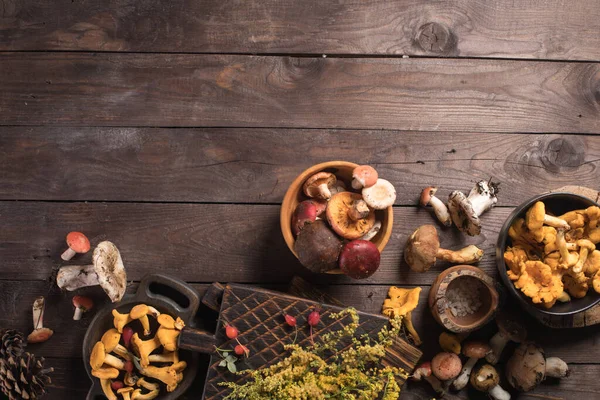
556	30
257	165
210	90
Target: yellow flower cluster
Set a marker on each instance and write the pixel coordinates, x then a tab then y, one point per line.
322	371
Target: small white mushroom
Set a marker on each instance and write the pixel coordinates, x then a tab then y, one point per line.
380	196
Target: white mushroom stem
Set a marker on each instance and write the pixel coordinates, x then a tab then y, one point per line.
498	393
324	191
463	378
441	211
372	232
556	368
38	313
482	197
556	222
73	277
435	383
497	343
68	254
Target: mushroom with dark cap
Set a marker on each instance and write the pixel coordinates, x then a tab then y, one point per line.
82	304
341	211
423	248
78	243
380	196
107	271
423	372
305	213
318	247
465	210
318	185
528	367
509	329
446	366
364	176
39	334
475	351
486	379
359	259
439	208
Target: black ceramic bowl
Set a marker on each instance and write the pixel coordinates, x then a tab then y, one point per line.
556	204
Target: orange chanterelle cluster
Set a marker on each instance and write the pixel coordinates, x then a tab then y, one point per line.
132	370
554	258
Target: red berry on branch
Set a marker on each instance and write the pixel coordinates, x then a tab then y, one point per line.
291	321
231	332
241	350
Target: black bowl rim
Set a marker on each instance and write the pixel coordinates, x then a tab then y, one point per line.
501	244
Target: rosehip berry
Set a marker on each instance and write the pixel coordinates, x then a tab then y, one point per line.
231	332
128	366
116	385
291	321
241	350
127	334
314	318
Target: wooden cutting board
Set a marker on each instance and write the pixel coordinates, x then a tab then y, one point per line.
259	316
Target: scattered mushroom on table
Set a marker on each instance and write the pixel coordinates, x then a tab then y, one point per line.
82	305
474	350
528	367
465	210
40	333
509	329
439	208
78	243
400	303
486	379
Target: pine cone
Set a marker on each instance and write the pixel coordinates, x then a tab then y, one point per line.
22	375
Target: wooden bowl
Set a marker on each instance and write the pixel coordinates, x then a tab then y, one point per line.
438	303
294	195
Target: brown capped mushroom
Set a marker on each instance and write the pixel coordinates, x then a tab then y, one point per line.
475	351
364	176
528	367
486	379
318	247
465	210
319	184
423	248
439	208
380	196
509	329
340	212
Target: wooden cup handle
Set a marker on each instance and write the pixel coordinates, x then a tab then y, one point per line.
197	340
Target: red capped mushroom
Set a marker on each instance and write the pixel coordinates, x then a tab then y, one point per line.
82	304
359	259
423	372
364	176
78	243
305	213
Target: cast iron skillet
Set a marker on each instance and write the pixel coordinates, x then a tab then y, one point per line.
168	295
556	204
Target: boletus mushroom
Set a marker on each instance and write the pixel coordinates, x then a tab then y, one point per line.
318	247
509	329
319	184
474	350
423	248
359	259
439	208
78	243
465	210
528	367
344	212
486	379
107	271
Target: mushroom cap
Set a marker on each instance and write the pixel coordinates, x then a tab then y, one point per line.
366	175
110	339
476	349
526	368
534	218
98	355
138	311
167	321
462	213
339	219
421	248
83	302
426	195
305	213
359	259
446	366
40	335
422	370
311	186
110	269
484	378
78	242
380	196
400	301
510	327
105	373
318	247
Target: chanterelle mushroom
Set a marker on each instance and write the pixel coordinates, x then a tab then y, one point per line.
78	243
474	351
509	329
423	248
536	217
486	379
528	367
439	208
39	334
400	303
364	176
105	374
465	210
318	185
318	247
145	347
99	356
110	340
380	196
107	271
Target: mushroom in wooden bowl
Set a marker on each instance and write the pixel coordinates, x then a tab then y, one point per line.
352	203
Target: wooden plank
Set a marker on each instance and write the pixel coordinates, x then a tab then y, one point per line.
461	27
156	164
573	345
210	90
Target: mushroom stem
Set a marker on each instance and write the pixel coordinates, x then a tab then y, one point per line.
467	255
108	392
498	393
411	329
556	368
38	313
73	277
436	384
441	211
497	343
359	210
556	222
68	254
463	378
324	191
483	196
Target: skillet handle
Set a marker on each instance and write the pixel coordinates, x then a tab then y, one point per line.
197	340
173	288
95	392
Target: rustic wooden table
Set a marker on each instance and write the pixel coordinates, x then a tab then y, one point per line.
173	128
